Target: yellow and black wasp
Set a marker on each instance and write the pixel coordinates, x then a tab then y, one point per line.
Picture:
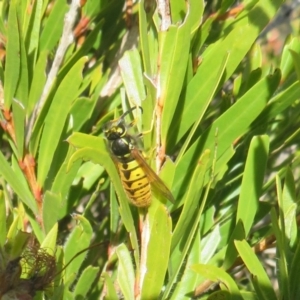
137	177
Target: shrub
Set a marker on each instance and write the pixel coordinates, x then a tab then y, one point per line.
222	129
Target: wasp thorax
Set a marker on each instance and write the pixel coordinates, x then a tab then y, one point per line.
121	146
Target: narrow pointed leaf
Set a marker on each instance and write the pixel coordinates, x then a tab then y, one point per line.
17	185
126	274
256	269
229	126
156	242
252	181
12	62
82	232
131	72
83	285
219	275
56	118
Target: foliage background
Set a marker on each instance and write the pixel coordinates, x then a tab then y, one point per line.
225	112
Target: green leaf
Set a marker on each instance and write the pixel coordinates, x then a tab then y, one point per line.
263	284
288	208
51	208
36	226
49	243
19	126
78	240
114	214
188	279
156	242
19	105
278	104
293	278
111	292
56	118
253	177
250	80
83	285
226	4
65	176
207	97
282	248
219	275
81	111
17	184
89	173
196	10
38	80
229	126
249	295
173	58
2	219
62	183
296	57
16	242
33	34
238	233
201	38
234	42
220	295
186	227
287	63
125	274
178	10
144	37
210	243
130	66
12	61
54	26
191	201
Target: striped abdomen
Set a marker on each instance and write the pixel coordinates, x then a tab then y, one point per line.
135	183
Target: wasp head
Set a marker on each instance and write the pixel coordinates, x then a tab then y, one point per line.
117	129
114	130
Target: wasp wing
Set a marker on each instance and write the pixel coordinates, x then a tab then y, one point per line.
156	183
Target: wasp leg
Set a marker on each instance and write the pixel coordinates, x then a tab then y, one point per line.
151	125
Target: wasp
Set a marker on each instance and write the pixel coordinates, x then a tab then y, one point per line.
137	177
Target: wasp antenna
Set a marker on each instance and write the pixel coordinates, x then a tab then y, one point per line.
129	111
